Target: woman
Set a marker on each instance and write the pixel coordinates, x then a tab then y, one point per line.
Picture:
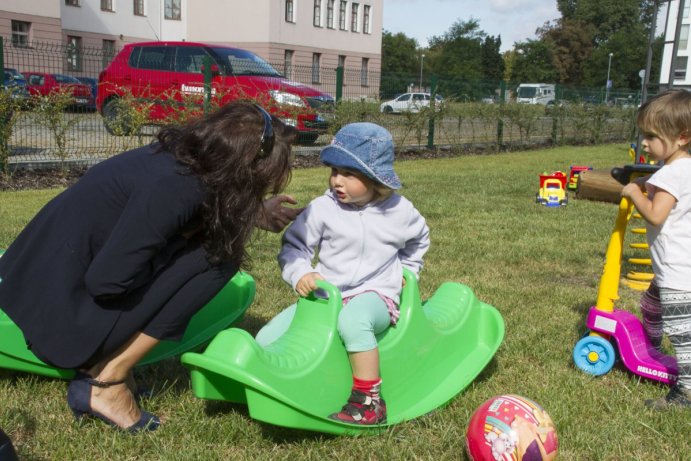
127	255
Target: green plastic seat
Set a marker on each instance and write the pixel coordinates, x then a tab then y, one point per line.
435	351
225	308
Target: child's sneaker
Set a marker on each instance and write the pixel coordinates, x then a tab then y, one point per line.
677	397
362	409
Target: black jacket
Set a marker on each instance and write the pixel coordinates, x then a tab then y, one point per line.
106	244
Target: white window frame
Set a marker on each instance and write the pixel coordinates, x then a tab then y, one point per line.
367	19
74	53
136	10
108	48
317	16
343	15
316	67
290	11
364	72
330	16
170	8
21	38
108	5
288	63
684	37
355	17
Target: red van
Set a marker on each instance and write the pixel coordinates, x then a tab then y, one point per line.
170	74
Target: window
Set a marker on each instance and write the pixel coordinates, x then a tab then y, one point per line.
288	63
330	14
153	57
316	62
317	13
20	33
290	11
108	51
685	13
107	5
353	17
366	19
342	15
684	37
138	8
72	2
341	61
172	9
680	66
190	59
364	72
74	53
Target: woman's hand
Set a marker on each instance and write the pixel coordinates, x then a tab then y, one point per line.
275	216
308	283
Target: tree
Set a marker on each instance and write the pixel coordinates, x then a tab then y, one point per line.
458	51
492	62
589	30
400	57
533	62
571	42
399	53
606	16
468	58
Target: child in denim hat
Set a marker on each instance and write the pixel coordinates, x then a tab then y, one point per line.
365	234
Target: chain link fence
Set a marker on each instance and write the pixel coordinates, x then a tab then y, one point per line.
433	111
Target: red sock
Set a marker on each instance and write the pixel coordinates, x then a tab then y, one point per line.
369	387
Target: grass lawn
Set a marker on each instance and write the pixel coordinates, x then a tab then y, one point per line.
540	267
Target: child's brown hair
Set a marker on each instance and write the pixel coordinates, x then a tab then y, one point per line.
666	115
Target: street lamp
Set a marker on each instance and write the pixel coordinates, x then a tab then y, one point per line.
422	59
608	84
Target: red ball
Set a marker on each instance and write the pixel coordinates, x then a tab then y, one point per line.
511	428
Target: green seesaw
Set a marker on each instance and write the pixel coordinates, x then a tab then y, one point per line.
225	308
434	352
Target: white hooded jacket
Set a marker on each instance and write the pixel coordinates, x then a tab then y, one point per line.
359	248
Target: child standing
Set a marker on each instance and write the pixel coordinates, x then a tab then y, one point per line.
665	122
365	235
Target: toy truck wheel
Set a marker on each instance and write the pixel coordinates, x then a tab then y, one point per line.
594	355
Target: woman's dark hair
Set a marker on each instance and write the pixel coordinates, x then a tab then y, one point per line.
223	149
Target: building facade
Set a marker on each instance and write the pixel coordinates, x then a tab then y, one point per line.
304	39
675	58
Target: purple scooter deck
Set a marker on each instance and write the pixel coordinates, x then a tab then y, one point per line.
638	355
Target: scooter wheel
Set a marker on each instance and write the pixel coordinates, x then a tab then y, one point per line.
594	355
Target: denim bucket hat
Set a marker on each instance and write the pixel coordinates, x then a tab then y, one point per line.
366	148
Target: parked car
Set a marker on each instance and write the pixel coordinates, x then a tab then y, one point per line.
15	82
409	102
44	84
93	84
170	74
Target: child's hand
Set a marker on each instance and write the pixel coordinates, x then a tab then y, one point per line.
308	283
630	190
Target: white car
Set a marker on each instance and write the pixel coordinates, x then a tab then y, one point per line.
409	102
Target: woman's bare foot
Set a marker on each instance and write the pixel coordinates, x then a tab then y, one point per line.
117	403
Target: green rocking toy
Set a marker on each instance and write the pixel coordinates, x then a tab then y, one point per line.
225	308
434	352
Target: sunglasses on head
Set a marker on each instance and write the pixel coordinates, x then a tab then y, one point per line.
267	139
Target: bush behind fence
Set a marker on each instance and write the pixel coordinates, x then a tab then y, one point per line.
473	115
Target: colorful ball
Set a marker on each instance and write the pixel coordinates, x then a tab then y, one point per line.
511	428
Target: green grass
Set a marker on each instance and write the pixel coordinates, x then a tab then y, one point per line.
540	267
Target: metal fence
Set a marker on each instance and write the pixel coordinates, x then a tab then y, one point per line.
470	113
